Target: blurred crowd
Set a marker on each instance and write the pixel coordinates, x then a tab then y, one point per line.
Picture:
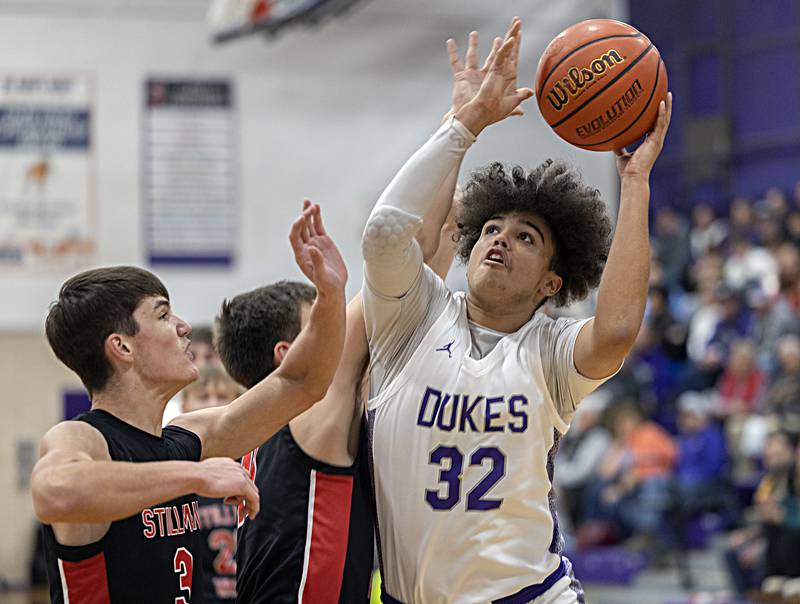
703	419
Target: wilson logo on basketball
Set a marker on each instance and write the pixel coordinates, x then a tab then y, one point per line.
577	80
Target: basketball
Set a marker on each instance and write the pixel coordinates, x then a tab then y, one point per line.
599	84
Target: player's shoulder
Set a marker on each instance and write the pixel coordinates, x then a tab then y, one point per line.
544	322
545	333
74	435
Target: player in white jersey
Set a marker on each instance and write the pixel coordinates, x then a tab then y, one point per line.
471	391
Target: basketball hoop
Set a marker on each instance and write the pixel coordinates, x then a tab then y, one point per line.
230	19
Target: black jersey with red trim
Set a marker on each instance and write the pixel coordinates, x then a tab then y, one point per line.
148	557
312	542
216	558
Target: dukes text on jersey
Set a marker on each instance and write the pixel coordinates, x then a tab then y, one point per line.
460	412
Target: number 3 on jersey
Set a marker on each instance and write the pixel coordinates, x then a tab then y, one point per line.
182	564
451	477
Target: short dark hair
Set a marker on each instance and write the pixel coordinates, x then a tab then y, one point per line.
91	306
250	325
574	212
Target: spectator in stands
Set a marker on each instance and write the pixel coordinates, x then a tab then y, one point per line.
757	549
741	384
204	355
670	241
747	264
213	388
776	203
732	323
633	478
669	333
780	517
735	323
203	347
706	310
793	227
579	454
787	258
707	234
740	222
773	319
769	227
738	395
702	454
783	398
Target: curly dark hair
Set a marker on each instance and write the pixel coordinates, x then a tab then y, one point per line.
574	212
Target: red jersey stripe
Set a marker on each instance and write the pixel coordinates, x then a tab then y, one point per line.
85	582
328	529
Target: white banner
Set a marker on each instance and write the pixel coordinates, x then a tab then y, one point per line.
47	210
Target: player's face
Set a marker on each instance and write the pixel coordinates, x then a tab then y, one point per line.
511	260
162	357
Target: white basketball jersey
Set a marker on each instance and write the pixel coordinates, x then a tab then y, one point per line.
461	450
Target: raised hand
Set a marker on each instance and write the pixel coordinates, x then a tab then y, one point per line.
640	162
498	95
315	252
221	477
467	77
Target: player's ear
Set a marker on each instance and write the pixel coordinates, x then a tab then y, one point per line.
551	285
118	347
279	352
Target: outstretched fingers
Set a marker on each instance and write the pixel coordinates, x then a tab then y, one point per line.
452	52
296	240
501	58
472	51
318	227
514	28
492	54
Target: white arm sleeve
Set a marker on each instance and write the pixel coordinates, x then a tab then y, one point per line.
392	257
401	295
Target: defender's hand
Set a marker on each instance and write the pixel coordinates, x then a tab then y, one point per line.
221	477
315	252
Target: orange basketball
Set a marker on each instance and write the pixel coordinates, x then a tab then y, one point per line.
599	84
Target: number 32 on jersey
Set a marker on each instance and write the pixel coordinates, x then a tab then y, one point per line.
450	460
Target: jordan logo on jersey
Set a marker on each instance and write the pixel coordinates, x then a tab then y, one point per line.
446	348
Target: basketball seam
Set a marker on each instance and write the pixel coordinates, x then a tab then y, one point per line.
604	88
638	117
581	47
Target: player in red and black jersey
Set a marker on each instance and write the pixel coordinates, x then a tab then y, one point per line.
313	540
115	490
